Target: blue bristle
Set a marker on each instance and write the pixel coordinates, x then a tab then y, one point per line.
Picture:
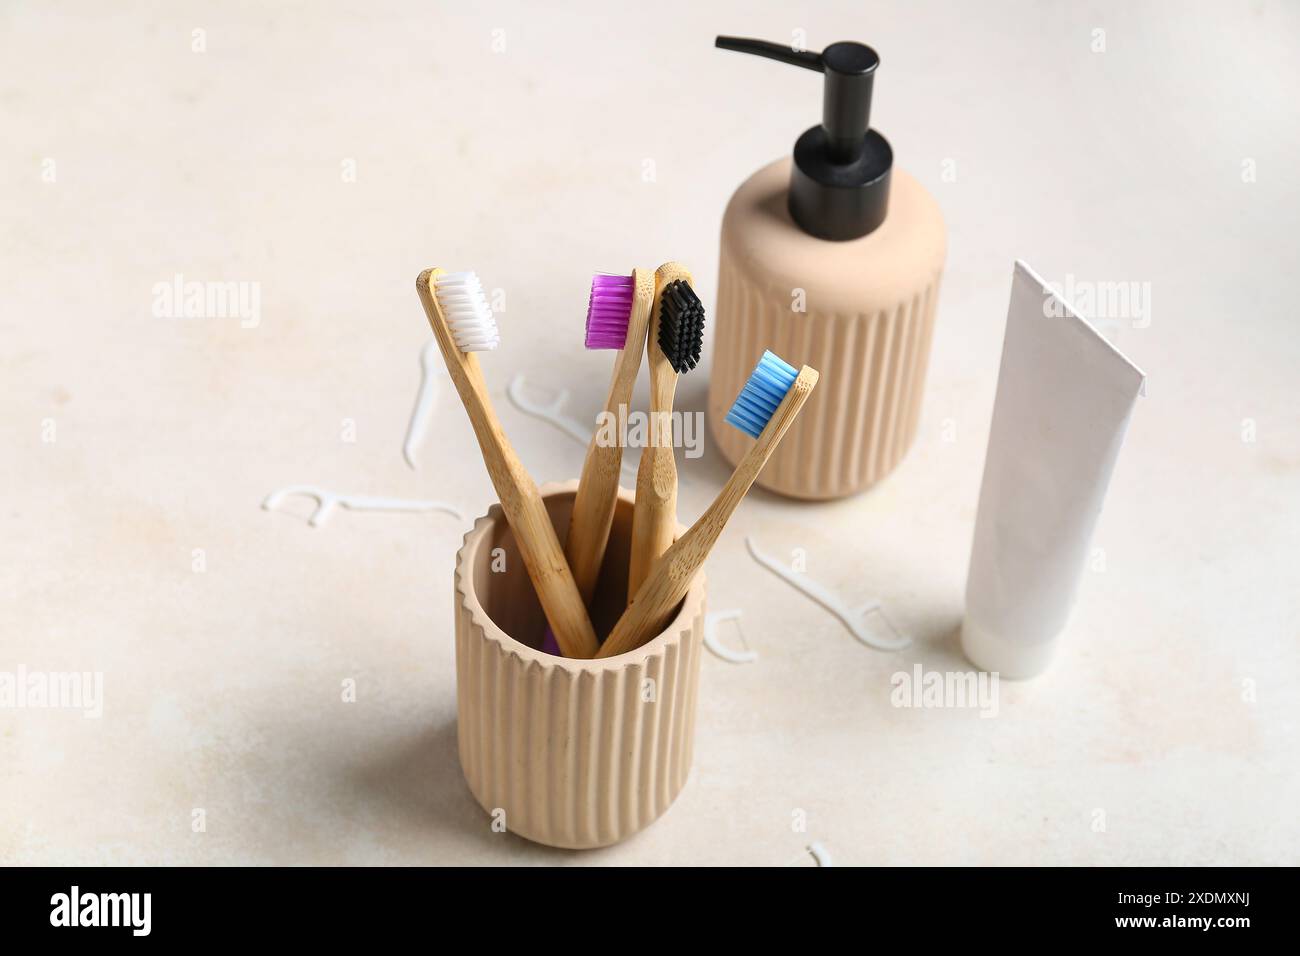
767	385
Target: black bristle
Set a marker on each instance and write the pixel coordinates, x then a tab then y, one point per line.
681	325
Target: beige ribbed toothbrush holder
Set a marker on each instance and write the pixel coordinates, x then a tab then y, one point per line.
574	753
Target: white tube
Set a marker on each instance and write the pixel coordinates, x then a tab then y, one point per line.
1063	403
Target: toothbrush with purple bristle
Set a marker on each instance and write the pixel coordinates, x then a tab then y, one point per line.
618	317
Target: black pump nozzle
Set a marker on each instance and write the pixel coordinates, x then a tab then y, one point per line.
846	99
844	154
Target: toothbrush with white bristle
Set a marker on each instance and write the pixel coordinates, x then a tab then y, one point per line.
765	409
472	324
463	324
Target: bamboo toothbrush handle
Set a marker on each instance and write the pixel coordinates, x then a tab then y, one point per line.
670	578
654	514
521	502
593	515
593	506
544	560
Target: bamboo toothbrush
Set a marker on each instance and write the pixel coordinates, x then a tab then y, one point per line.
463	324
676	337
617	317
618	314
765	409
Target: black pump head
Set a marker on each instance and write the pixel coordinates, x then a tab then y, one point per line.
681	326
839	187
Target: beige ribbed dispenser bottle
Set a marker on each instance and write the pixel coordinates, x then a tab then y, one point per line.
830	259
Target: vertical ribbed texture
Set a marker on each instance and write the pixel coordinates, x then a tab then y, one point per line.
862	420
569	749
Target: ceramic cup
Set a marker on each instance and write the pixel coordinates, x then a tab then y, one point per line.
574	753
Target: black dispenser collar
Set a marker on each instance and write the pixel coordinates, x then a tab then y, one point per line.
839	185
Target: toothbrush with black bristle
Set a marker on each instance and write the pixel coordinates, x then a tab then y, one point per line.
765	409
463	324
676	340
618	315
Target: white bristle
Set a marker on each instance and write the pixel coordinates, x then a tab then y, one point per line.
460	295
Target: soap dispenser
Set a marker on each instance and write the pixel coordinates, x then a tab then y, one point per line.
830	258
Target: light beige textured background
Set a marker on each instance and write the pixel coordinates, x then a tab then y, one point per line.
223	688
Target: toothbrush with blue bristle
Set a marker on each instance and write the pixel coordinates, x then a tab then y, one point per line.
765	410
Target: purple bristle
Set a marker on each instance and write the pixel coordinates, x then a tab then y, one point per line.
608	311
